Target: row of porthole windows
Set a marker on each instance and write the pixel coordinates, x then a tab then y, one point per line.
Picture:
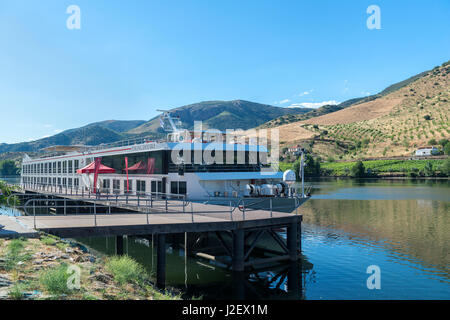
69	182
66	166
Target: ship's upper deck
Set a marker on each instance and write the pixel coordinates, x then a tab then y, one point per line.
184	140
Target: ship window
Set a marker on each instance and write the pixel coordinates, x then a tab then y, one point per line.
54	167
59	167
174	187
70	182
64	166
130	188
140	186
76	182
70	166
182	187
64	180
106	185
178	187
76	165
116	186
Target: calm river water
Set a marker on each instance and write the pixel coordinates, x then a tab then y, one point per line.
401	226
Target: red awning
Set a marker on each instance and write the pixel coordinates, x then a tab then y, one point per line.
138	166
90	168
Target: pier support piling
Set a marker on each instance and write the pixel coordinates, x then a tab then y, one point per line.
292	240
119	245
238	250
161	261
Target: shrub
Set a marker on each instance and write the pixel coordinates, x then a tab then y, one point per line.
13	253
358	170
16	291
55	280
427	117
49	241
445	168
428	170
447	148
432	142
443	142
124	269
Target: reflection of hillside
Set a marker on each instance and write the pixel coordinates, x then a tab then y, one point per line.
419	229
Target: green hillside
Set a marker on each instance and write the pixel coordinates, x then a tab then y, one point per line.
223	115
91	134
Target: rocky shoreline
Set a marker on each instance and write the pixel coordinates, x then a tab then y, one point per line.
52	268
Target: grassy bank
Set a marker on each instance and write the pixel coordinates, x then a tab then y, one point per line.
386	168
381	168
50	268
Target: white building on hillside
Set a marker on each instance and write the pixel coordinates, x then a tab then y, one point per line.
427	151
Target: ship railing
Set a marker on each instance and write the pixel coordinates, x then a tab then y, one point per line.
124	143
147	203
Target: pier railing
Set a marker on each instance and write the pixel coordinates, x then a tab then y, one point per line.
41	206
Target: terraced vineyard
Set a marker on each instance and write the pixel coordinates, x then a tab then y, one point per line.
395	124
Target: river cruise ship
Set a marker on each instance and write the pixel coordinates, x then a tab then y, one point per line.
142	166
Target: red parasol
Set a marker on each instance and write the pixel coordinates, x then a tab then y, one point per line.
90	168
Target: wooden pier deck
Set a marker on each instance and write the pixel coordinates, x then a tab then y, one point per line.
76	215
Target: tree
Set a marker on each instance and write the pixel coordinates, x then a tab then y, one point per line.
312	167
443	142
447	148
8	168
432	142
445	168
358	170
428	169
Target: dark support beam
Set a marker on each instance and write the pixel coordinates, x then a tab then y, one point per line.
119	245
300	238
294	280
224	244
260	233
292	238
278	239
161	262
238	250
238	284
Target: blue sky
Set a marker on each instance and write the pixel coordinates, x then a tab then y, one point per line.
131	57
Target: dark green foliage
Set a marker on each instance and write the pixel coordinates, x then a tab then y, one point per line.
312	167
427	117
358	170
443	142
432	142
8	168
447	148
445	168
428	170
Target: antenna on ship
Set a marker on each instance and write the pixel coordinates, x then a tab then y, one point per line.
167	115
